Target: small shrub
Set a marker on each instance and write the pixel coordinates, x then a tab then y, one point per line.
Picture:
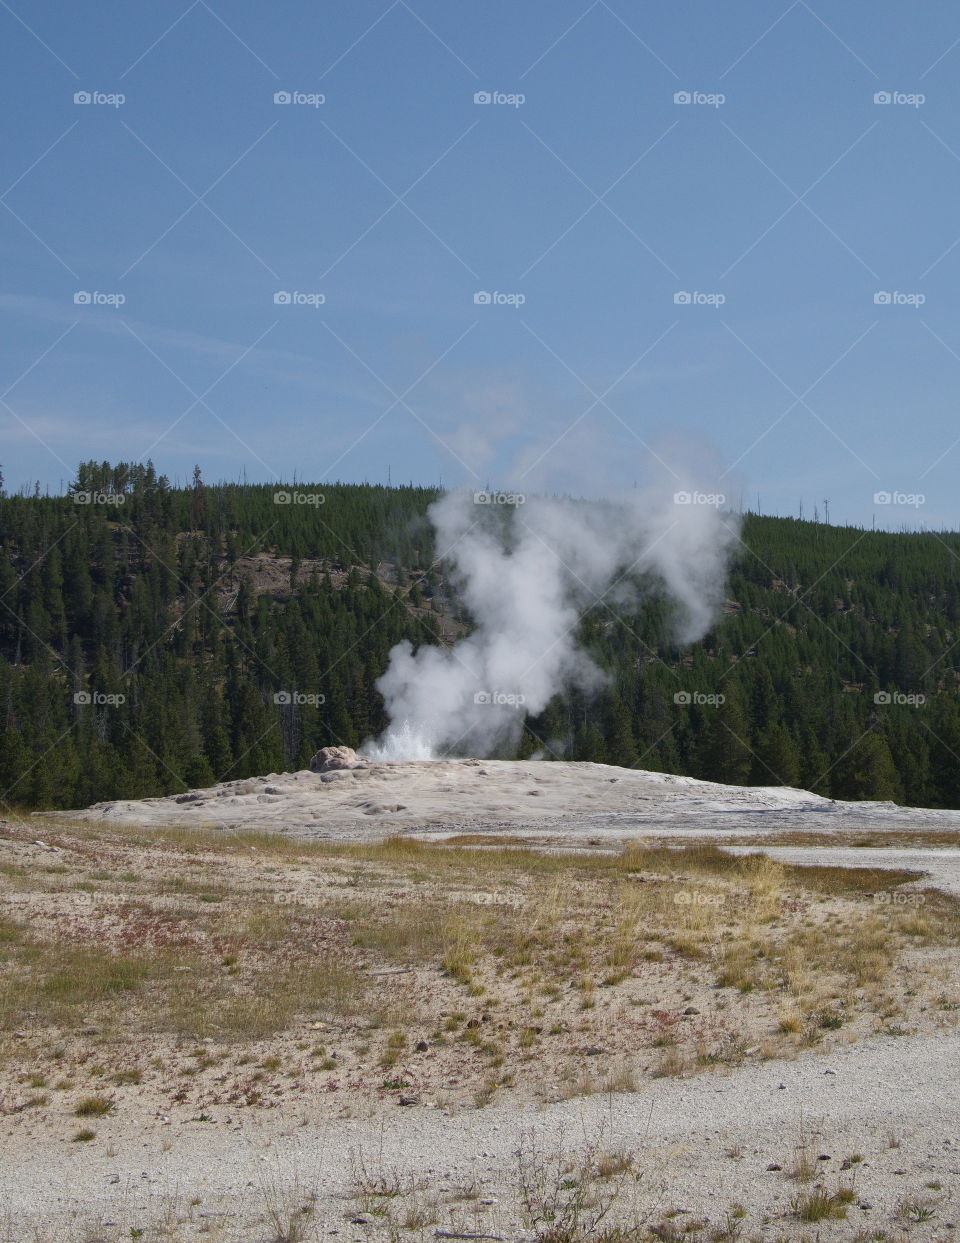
821	1205
93	1107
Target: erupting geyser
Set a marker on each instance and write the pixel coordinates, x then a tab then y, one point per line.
526	573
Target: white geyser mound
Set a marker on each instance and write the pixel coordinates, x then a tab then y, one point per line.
526	573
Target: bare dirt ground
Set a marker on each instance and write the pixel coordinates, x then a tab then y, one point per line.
224	1020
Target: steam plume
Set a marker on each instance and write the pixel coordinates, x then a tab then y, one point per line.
526	573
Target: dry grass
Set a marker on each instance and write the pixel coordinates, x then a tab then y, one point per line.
253	937
53	985
94	1107
822	1205
876	839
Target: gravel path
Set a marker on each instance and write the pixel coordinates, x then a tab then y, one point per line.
701	1146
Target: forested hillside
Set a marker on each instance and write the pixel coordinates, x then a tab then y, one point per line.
157	638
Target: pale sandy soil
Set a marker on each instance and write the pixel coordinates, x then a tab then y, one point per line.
613	1107
700	1147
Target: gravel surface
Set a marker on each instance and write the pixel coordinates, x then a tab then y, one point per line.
700	1145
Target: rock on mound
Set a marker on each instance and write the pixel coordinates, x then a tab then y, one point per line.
330	759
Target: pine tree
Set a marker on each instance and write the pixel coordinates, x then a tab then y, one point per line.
726	754
621	744
867	771
777	760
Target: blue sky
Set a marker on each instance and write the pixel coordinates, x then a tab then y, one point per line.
783	208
